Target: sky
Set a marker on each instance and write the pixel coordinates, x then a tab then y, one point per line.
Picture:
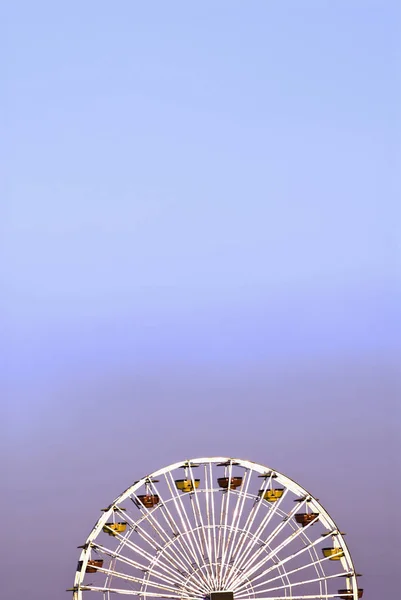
200	227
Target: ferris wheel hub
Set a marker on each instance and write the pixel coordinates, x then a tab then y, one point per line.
221	596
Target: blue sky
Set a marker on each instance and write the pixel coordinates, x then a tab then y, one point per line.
193	193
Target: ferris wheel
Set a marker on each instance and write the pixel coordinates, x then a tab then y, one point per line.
216	529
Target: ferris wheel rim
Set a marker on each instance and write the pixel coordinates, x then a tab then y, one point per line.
253	467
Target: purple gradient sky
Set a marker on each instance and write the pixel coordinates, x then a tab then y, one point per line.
201	255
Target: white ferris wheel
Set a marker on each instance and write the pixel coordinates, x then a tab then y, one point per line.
216	529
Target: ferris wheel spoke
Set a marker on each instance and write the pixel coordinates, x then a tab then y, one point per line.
138	550
213	516
248	535
93	588
196	533
159	529
127	543
114	554
274	551
263	589
188	529
170	566
242	495
317	596
246	562
178	534
210	524
183	584
246	566
223	521
246	580
172	555
117	574
297	584
182	573
242	562
169	553
187	584
204	533
286	560
311	549
241	548
155	562
191	538
222	549
219	534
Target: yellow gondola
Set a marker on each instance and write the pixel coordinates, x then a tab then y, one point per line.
187	485
333	553
114	528
271	495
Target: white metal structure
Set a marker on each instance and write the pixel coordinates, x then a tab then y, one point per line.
233	526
